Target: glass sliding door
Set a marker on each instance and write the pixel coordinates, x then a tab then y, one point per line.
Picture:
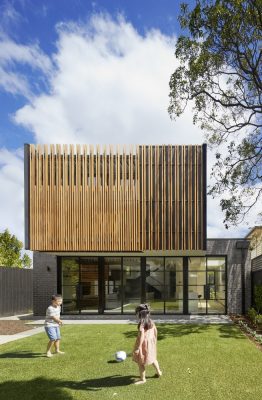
197	285
87	291
113	287
131	284
174	285
70	273
216	286
155	284
119	284
207	285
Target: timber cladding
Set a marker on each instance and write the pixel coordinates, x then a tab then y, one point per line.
81	198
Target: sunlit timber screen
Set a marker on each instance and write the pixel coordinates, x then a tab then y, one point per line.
112	198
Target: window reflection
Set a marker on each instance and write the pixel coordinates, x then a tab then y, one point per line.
206	285
113	289
155	285
122	286
131	283
174	285
87	289
70	277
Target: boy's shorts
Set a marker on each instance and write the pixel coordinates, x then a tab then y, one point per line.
53	332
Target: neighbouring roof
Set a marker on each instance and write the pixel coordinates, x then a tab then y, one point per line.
255	228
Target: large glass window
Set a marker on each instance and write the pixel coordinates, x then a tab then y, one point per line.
87	290
70	273
216	285
206	285
118	284
155	283
131	283
113	288
196	285
174	285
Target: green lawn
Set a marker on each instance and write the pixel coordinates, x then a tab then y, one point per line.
199	362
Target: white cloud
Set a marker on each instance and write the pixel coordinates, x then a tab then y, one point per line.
14	83
13	56
8	13
108	84
12	192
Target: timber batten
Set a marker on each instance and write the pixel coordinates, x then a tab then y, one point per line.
82	198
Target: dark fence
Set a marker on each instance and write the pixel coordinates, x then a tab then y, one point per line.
16	291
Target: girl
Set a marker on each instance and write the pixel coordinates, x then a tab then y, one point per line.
145	347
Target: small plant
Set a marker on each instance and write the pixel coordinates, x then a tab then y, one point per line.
252	314
258	298
259	321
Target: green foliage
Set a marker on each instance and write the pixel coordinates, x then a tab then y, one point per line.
258	297
252	314
259	320
220	72
10	251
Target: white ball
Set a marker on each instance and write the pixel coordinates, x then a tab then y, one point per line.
120	356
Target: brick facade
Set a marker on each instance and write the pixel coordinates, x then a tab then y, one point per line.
238	260
44	281
238	257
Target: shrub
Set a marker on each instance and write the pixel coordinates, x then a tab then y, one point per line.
259	320
258	297
252	314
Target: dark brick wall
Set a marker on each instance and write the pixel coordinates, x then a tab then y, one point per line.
44	281
236	257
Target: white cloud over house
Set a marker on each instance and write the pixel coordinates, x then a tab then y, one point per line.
106	84
12	191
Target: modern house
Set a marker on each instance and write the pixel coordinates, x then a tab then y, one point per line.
112	227
255	238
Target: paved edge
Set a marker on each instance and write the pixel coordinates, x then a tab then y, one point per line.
10	338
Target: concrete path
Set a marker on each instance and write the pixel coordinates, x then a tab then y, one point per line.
124	319
109	319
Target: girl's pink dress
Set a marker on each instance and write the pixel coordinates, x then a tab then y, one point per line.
147	354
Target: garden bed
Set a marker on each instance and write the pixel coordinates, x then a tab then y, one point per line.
249	329
11	327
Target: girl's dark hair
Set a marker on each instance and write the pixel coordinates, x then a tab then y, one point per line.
56	296
143	313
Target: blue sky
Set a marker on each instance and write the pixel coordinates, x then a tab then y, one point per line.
80	71
30	22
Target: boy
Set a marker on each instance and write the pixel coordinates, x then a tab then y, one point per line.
52	323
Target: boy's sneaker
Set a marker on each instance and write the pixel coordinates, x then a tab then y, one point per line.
60	352
49	354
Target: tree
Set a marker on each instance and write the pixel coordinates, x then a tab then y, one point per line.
10	252
220	72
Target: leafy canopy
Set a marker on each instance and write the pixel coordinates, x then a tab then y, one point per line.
220	72
10	252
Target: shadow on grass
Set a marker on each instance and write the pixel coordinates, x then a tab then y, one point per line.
166	331
172	330
39	388
22	354
231	331
100	383
42	388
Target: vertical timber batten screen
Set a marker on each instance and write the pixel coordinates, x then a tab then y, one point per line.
82	198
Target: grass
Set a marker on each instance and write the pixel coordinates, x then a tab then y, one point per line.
199	362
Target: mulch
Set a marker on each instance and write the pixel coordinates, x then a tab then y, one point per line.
246	320
10	327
